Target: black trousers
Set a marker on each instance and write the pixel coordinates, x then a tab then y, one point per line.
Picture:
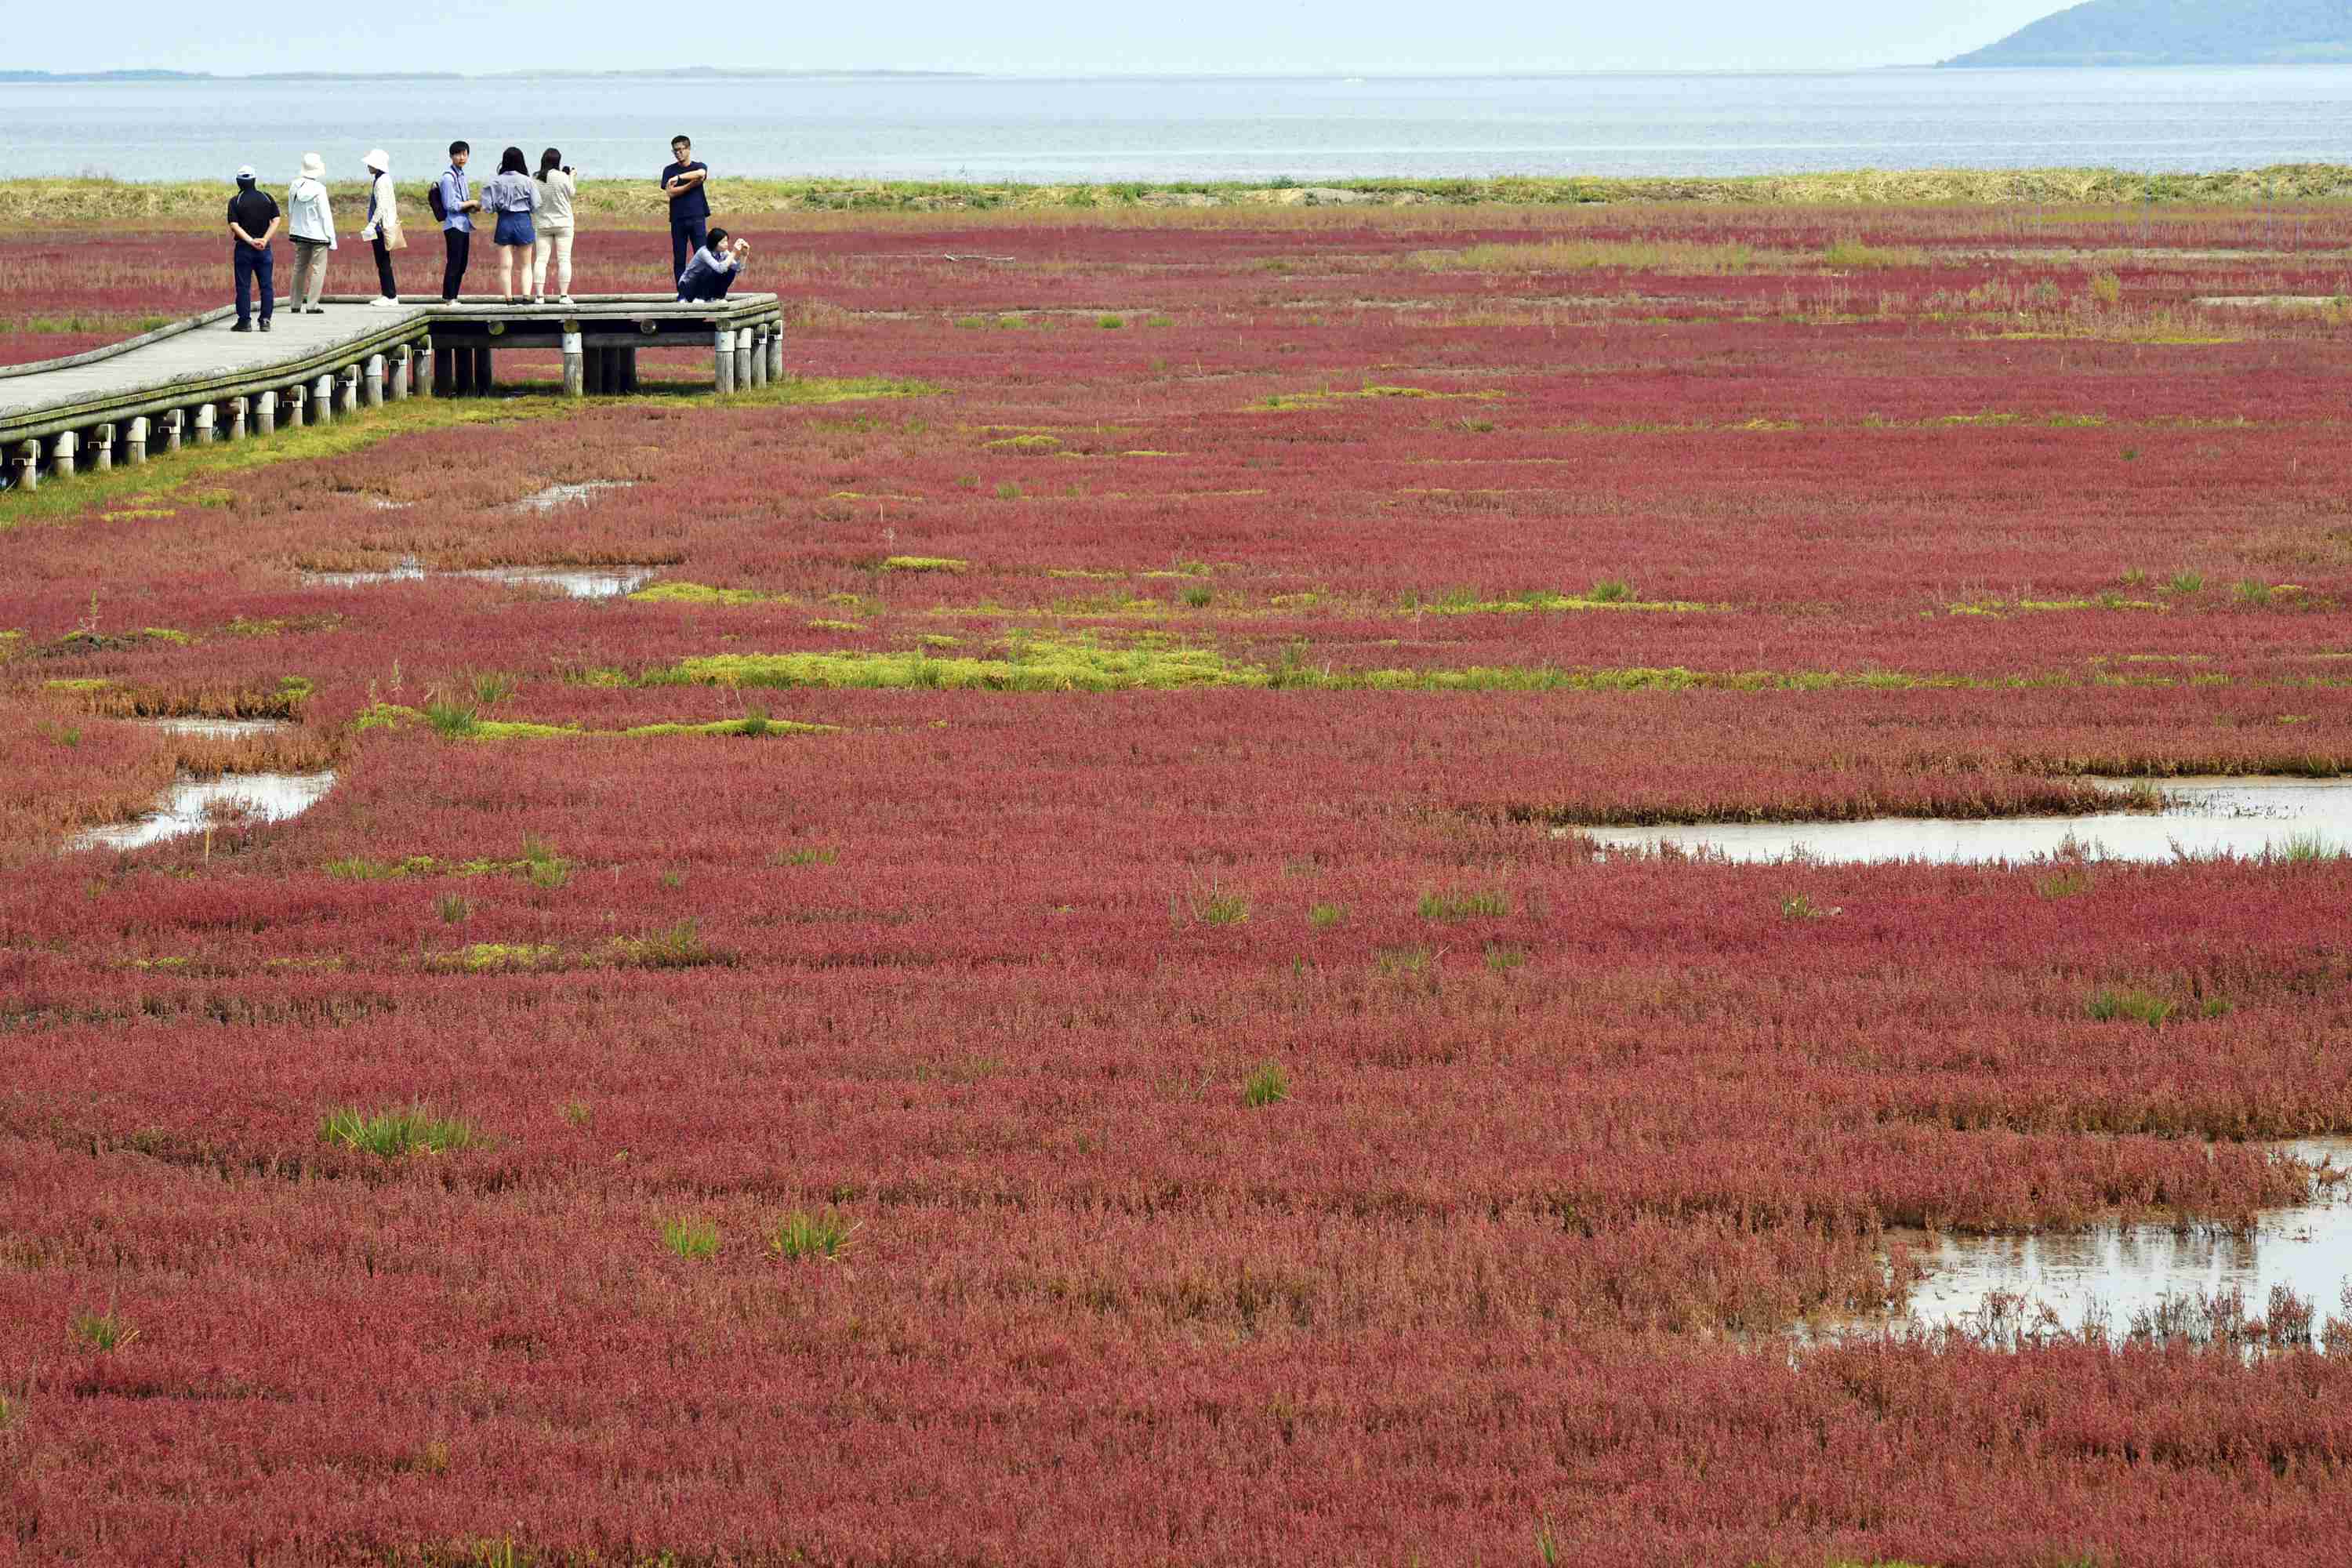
384	283
685	239
254	267
460	244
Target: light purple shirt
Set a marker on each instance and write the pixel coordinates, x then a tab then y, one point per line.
454	194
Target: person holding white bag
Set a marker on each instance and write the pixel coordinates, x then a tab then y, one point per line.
382	230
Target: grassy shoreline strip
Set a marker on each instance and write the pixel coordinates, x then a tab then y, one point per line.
47	202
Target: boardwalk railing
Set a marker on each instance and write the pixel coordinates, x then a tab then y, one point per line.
195	381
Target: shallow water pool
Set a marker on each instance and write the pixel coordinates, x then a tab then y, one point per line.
2109	1273
574	582
2248	817
187	805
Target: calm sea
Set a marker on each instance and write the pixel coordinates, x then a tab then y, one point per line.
1195	128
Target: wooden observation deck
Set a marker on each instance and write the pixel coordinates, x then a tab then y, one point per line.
196	381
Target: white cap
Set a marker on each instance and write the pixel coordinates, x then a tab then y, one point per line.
244	172
313	166
379	160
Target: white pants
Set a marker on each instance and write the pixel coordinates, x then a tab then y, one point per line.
553	245
309	274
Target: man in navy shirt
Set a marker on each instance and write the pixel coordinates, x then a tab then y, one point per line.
689	204
253	220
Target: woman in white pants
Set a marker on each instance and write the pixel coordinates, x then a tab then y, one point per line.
312	225
557	188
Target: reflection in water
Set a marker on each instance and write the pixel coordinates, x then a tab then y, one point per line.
555	495
188	805
2247	818
218	729
2112	1273
578	583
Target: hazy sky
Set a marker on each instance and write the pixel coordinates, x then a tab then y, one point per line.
1020	36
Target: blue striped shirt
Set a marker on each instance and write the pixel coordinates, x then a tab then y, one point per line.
454	196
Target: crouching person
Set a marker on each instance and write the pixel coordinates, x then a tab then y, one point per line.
714	269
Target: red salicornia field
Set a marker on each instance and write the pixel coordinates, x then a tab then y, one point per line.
1029	993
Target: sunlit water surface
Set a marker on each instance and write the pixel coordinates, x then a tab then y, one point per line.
2247	818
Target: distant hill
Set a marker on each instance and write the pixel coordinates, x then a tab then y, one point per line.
2179	33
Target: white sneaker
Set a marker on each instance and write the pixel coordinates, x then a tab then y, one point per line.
538	299
565	301
385	302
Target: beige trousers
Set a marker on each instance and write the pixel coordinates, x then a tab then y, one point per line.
309	274
553	245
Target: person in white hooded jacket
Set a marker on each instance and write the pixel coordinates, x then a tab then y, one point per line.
312	228
383	229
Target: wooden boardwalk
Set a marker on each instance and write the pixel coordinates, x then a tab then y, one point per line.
195	381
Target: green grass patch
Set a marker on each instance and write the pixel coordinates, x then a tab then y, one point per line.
1208	906
495	957
677	947
693	1239
411	1129
925	563
800	1235
2109	1005
805	389
1040	665
102	1332
1267	1084
1462	904
701	593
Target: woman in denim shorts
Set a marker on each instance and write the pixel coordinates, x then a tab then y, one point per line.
512	195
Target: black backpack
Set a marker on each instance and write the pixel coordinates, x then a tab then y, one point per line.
433	199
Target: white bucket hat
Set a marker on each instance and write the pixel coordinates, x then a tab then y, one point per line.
313	166
379	160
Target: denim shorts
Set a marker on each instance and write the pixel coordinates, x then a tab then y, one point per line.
514	228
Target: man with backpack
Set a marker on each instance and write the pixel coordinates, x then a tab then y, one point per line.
452	202
253	220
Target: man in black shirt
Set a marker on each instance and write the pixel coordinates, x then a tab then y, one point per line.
689	204
253	220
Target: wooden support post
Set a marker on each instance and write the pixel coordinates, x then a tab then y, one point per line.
371	382
101	448
402	361
722	360
628	358
323	401
760	355
347	390
134	442
776	350
62	455
425	366
297	397
265	414
28	466
485	372
237	407
207	424
176	426
743	360
575	365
